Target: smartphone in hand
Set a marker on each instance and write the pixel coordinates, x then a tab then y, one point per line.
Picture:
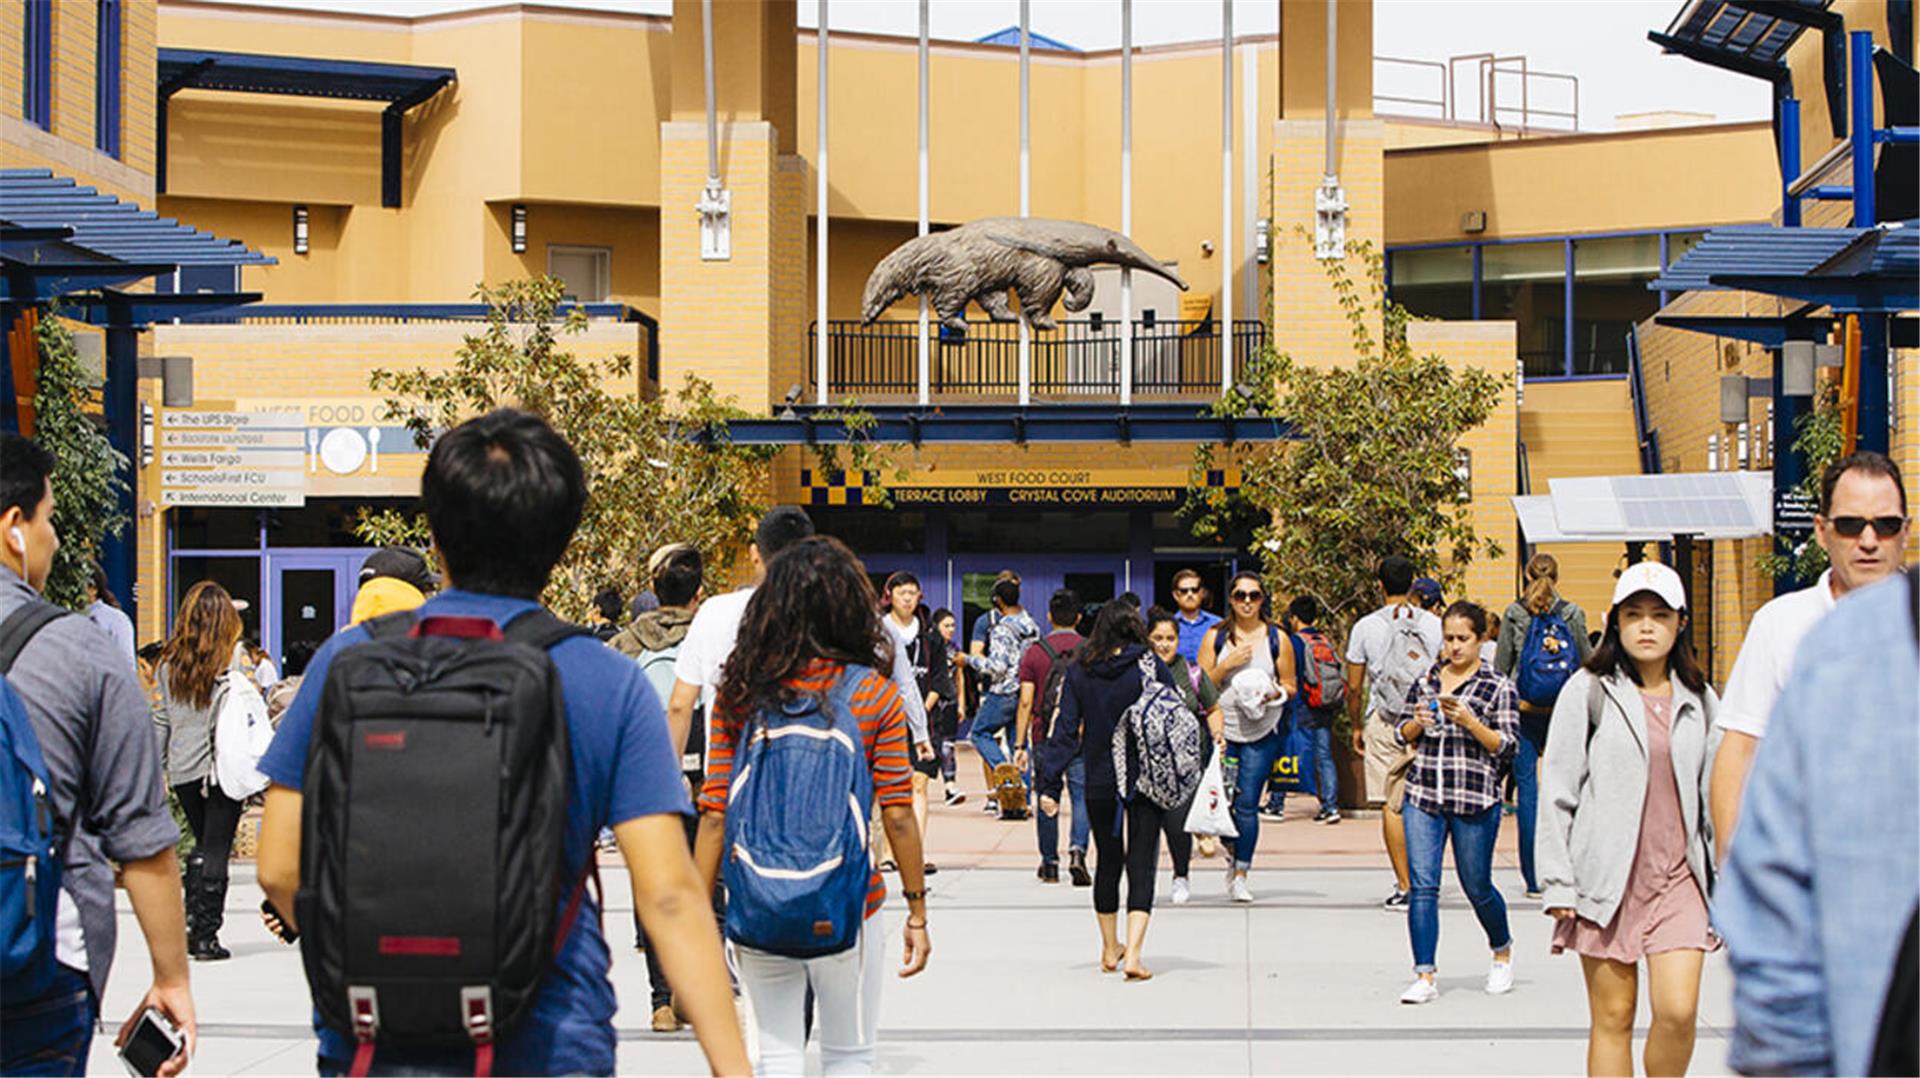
154	1041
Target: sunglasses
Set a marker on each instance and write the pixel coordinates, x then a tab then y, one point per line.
1247	596
1187	589
1885	527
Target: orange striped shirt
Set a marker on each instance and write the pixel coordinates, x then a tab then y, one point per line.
883	728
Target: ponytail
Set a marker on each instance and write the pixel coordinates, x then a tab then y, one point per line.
1542	574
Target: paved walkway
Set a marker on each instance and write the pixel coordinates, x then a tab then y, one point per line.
1303	981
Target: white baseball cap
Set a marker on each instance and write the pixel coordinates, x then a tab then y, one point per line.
1654	577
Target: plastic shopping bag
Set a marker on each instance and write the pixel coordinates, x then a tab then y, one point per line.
1211	813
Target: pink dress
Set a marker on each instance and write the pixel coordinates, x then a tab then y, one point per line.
1662	909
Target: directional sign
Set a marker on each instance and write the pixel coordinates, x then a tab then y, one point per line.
236	458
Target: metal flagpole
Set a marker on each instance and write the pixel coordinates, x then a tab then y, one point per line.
820	215
1026	331
1226	195
925	359
1126	199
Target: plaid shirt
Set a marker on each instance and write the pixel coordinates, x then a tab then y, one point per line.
1454	773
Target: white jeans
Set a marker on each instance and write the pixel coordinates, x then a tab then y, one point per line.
846	992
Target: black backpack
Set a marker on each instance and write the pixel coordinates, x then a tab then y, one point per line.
431	838
1047	708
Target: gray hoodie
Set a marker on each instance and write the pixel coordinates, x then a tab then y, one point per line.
1594	784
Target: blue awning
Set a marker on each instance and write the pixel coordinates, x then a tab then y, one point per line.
1848	269
252	73
1751	37
401	86
41	211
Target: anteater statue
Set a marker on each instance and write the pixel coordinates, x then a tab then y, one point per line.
979	261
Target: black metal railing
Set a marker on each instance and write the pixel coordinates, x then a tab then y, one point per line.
1078	360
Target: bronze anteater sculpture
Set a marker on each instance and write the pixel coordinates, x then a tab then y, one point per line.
979	261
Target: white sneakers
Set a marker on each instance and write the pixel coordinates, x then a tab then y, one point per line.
1181	892
1237	889
1500	977
1499	983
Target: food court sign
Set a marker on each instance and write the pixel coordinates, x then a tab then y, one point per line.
275	453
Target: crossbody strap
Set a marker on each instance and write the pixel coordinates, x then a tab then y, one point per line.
22	626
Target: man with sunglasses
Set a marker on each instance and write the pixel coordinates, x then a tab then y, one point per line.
1862	525
1189	591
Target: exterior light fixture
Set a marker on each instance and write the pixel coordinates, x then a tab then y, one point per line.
300	231
519	230
1796	369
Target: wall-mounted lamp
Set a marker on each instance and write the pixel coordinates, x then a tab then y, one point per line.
519	230
1735	391
1463	470
300	231
146	434
1263	240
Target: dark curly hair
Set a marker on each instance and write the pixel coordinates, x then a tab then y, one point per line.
1117	626
815	603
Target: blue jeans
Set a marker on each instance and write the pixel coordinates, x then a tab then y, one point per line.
1256	764
50	1035
1473	837
997	712
1048	827
1526	779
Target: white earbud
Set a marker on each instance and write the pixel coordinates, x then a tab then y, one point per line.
20	540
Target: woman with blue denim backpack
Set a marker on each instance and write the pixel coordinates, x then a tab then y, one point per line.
808	637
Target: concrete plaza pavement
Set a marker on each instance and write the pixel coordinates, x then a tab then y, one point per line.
1304	981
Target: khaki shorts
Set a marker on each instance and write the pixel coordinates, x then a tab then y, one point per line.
1387	761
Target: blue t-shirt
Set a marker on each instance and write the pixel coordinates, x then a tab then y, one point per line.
1192	633
623	767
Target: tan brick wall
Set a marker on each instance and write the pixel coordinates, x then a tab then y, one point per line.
1487	346
729	316
1307	320
1580	429
67	149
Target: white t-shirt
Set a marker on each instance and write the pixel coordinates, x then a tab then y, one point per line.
709	641
1373	635
1766	656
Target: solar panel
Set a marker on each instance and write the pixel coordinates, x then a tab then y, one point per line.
1715	505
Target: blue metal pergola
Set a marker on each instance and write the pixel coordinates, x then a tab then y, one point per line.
63	242
1002	424
401	86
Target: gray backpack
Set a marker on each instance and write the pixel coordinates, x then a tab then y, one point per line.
1409	657
1162	735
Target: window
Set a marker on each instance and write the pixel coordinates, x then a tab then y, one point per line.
106	73
583	270
1435	283
1526	282
37	51
1610	279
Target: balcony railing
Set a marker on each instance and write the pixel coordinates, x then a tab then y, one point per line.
1080	360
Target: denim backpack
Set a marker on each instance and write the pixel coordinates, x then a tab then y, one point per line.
797	863
29	848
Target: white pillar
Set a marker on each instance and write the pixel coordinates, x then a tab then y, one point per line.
1249	180
1126	199
1026	332
925	350
820	216
1226	195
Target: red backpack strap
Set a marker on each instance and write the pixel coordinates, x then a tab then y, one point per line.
578	895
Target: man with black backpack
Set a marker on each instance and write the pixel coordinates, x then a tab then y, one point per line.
1042	671
438	784
80	792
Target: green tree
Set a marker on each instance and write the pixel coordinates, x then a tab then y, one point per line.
89	476
1372	469
659	469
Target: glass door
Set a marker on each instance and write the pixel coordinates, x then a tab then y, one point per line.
311	597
